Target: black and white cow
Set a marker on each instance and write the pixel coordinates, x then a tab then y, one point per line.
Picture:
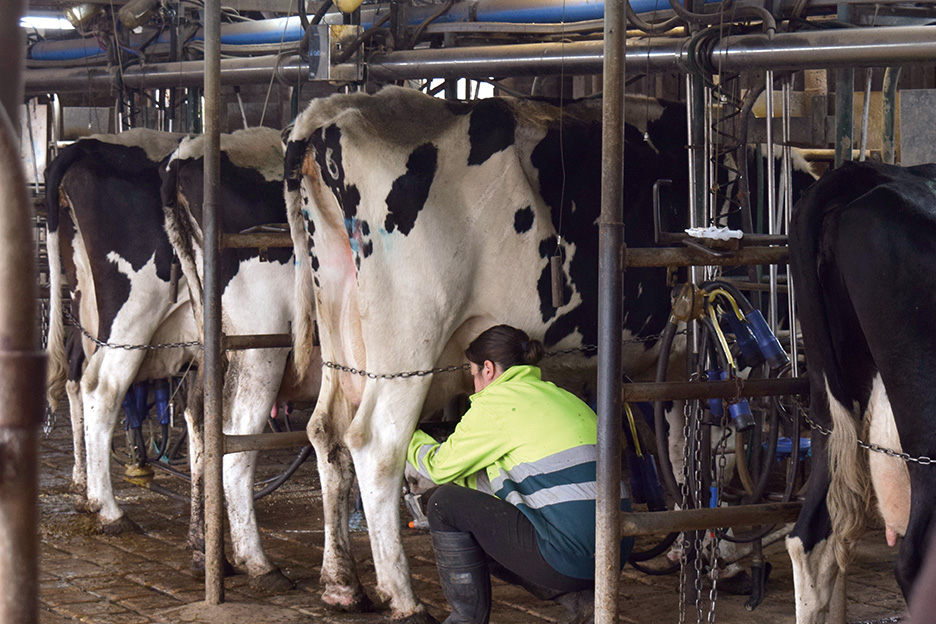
105	226
257	298
418	223
861	242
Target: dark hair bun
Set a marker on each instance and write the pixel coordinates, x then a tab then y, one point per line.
533	351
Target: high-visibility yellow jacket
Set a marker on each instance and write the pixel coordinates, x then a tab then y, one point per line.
531	444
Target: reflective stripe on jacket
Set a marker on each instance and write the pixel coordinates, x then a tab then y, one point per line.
531	444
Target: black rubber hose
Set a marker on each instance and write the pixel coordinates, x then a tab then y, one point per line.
652	572
656	551
659	420
768	459
742	301
352	47
709	19
647	27
280	480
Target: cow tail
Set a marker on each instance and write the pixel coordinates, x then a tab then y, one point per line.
304	330
57	371
182	232
849	489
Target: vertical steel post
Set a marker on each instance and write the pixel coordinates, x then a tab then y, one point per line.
610	314
771	187
698	185
891	78
22	365
865	113
214	443
788	214
844	114
844	103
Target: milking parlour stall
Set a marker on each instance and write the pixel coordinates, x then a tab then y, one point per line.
250	242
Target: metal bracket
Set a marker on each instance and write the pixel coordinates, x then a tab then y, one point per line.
327	41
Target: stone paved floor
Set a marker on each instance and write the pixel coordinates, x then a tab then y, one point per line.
141	578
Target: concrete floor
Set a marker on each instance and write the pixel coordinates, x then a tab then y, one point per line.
141	578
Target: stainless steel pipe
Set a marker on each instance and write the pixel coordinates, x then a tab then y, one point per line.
857	47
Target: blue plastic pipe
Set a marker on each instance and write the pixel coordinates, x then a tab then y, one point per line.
289	30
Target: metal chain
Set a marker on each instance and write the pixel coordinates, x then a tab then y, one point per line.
684	492
697	482
110	345
923	460
419	373
48	422
722	469
451	369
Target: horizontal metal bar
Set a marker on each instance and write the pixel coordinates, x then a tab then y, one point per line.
256	240
697	390
669	238
647	523
256	341
751	286
648	257
265	441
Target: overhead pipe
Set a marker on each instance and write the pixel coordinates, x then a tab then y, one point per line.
290	30
868	47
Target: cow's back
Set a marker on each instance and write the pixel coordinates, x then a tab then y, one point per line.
104	205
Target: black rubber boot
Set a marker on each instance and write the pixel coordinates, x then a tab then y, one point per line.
579	606
463	572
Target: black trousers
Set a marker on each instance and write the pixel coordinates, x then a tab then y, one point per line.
503	532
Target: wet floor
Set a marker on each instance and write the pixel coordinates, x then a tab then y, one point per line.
144	577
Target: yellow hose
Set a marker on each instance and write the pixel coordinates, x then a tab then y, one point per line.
633	428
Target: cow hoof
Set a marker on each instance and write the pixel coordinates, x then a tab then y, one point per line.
121	526
349	602
422	617
83	505
272	582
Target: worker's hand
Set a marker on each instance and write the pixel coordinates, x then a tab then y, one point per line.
417	483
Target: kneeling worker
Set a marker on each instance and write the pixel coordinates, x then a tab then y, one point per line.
518	498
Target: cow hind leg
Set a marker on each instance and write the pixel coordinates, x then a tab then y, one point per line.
814	575
239	471
195	424
342	587
257	374
379	451
79	484
102	403
811	544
